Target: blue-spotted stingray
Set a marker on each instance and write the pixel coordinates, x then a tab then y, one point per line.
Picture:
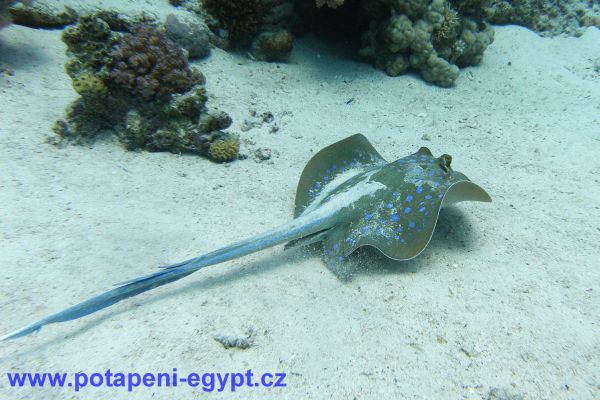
348	197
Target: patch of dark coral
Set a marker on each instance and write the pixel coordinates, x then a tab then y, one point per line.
37	15
242	19
147	63
139	85
345	23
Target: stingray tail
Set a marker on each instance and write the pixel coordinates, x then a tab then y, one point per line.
297	228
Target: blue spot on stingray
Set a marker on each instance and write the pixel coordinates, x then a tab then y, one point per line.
395	218
436	184
427	196
407	210
327	171
422	209
334	166
389	205
340	258
325	178
426	212
368	216
411	224
399	229
395	194
408	198
419	189
336	246
440	196
380	231
364	229
396	237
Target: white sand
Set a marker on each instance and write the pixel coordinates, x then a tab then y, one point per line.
507	295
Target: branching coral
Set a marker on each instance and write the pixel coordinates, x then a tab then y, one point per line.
148	63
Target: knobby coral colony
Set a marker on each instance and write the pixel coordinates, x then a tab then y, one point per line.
140	85
431	37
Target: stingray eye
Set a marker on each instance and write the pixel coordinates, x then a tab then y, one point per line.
444	162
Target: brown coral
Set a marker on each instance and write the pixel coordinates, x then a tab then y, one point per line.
243	19
273	46
147	63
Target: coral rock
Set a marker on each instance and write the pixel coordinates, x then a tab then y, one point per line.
39	15
243	19
273	46
192	36
224	150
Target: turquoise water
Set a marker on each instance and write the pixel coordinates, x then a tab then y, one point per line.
147	133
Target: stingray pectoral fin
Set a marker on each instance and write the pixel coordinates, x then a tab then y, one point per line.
353	154
400	224
465	191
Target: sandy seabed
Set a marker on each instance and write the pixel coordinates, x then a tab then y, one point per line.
505	301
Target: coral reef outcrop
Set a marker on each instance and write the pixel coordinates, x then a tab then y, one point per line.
431	37
261	26
242	19
547	17
5	17
42	15
139	85
273	46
